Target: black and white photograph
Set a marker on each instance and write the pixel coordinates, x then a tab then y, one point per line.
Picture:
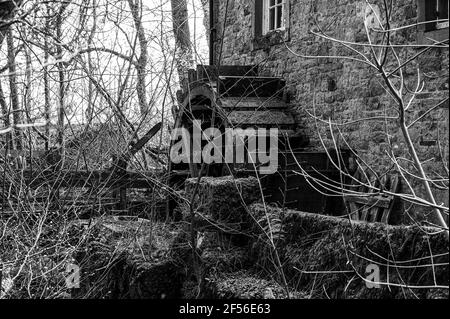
224	157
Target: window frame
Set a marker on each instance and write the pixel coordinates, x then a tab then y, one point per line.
263	39
428	15
267	7
428	30
441	25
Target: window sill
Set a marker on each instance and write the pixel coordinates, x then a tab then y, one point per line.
424	37
272	38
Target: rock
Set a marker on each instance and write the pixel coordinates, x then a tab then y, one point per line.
245	285
317	248
224	199
129	258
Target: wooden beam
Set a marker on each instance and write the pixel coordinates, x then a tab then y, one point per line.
378	201
211	72
144	140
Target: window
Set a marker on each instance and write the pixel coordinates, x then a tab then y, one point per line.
442	13
273	15
436	10
433	12
270	16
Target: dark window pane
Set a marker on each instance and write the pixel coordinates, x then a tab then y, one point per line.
259	18
279	16
272	2
430	9
430	14
272	19
443	9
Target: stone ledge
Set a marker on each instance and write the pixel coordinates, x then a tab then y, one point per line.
225	199
316	248
128	258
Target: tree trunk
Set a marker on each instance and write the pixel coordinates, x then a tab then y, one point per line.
7	9
184	56
47	84
90	108
136	11
27	94
5	114
206	18
61	78
17	112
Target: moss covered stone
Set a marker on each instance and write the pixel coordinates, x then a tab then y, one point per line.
224	199
329	256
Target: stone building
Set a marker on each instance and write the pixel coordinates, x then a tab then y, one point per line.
282	37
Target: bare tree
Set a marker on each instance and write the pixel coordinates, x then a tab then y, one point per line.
61	75
17	112
47	107
8	9
141	65
183	48
90	109
6	118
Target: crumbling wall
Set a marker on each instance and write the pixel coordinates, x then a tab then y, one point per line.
224	199
328	256
129	259
251	251
321	256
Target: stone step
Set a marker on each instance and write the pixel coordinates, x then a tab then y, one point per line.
211	73
251	86
252	103
261	118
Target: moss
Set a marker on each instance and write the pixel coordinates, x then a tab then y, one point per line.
245	285
321	254
225	260
129	259
224	199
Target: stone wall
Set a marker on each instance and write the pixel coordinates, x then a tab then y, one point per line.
128	258
334	253
345	90
321	256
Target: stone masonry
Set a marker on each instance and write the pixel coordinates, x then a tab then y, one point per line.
344	90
